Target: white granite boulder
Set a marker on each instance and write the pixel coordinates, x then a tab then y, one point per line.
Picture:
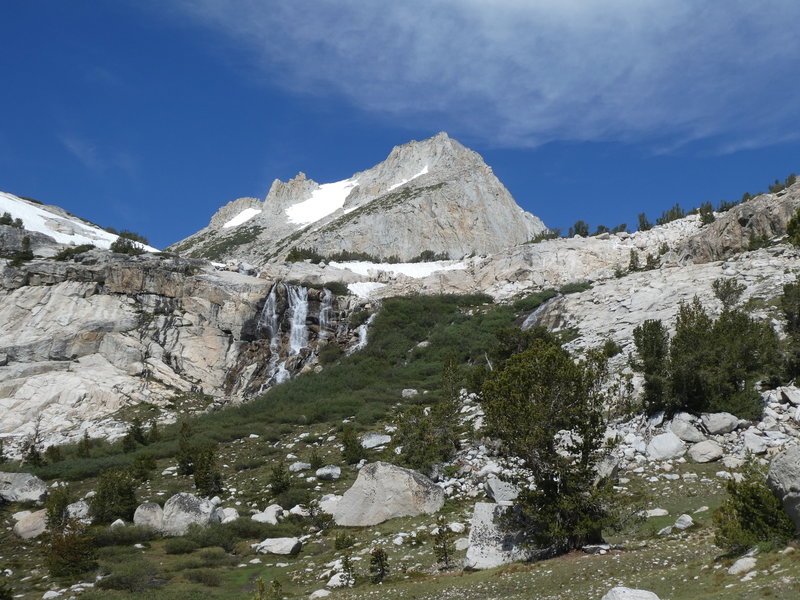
149	514
624	593
784	480
490	546
383	491
183	510
22	487
719	423
704	452
499	490
666	446
683	426
284	546
328	473
375	440
32	525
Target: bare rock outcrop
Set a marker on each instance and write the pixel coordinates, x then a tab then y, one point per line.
784	480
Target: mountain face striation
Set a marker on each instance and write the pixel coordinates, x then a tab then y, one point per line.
433	196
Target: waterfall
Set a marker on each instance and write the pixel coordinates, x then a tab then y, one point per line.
268	319
362	335
298	311
325	310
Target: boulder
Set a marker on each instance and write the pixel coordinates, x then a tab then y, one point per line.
383	491
683	522
719	423
149	514
328	473
784	480
22	487
315	595
743	565
227	515
789	394
704	452
624	593
606	469
270	515
296	467
666	446
490	546
329	502
32	525
500	491
374	440
185	509
79	510
683	426
754	443
284	545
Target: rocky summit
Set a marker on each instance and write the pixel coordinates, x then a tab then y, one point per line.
339	390
431	197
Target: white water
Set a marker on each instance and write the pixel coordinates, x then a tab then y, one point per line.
298	311
325	310
362	331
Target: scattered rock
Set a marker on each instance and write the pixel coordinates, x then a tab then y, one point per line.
149	514
319	594
705	452
296	467
375	440
683	522
655	512
666	446
501	491
116	524
328	473
784	480
683	426
79	510
31	525
185	509
743	565
284	545
754	443
409	393
227	515
22	487
624	593
384	491
270	515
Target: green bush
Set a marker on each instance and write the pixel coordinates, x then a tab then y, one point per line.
352	451
751	515
580	228
644	224
793	229
301	254
343	541
534	301
134	575
69	550
124	245
280	480
575	287
115	497
207	577
671	214
179	545
122	536
706	213
207	475
73	251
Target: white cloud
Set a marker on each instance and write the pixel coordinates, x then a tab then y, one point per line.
523	73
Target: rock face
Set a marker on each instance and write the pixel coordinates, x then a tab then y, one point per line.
185	509
489	546
149	514
624	593
22	487
784	480
434	195
83	339
383	491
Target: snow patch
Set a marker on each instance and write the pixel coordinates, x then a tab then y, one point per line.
415	270
242	217
62	229
325	200
405	181
363	289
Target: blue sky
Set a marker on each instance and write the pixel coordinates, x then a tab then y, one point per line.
149	115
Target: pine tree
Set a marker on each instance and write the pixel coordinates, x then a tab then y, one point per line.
185	450
207	476
378	565
443	547
84	448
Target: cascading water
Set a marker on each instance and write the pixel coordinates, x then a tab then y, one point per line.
325	310
298	311
362	335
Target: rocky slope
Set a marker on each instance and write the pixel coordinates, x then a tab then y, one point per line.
435	195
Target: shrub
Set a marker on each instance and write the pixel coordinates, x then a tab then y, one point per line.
547	234
580	228
56	506
122	536
706	213
143	466
73	251
124	245
207	577
207	476
280	480
443	545
6	591
534	301
429	256
378	565
575	287
644	224
315	460
70	550
793	229
633	262
179	545
134	575
751	514
352	451
727	291
671	214
301	254
652	346
115	497
343	541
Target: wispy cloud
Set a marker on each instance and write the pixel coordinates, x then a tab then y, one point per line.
94	159
527	72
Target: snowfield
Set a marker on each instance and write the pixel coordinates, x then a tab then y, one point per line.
242	217
325	200
62	229
405	181
363	289
415	270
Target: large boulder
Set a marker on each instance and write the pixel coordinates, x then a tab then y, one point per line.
718	423
704	452
185	509
22	487
666	446
285	546
499	490
784	479
624	593
271	515
490	546
32	525
149	514
328	473
683	426
384	491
